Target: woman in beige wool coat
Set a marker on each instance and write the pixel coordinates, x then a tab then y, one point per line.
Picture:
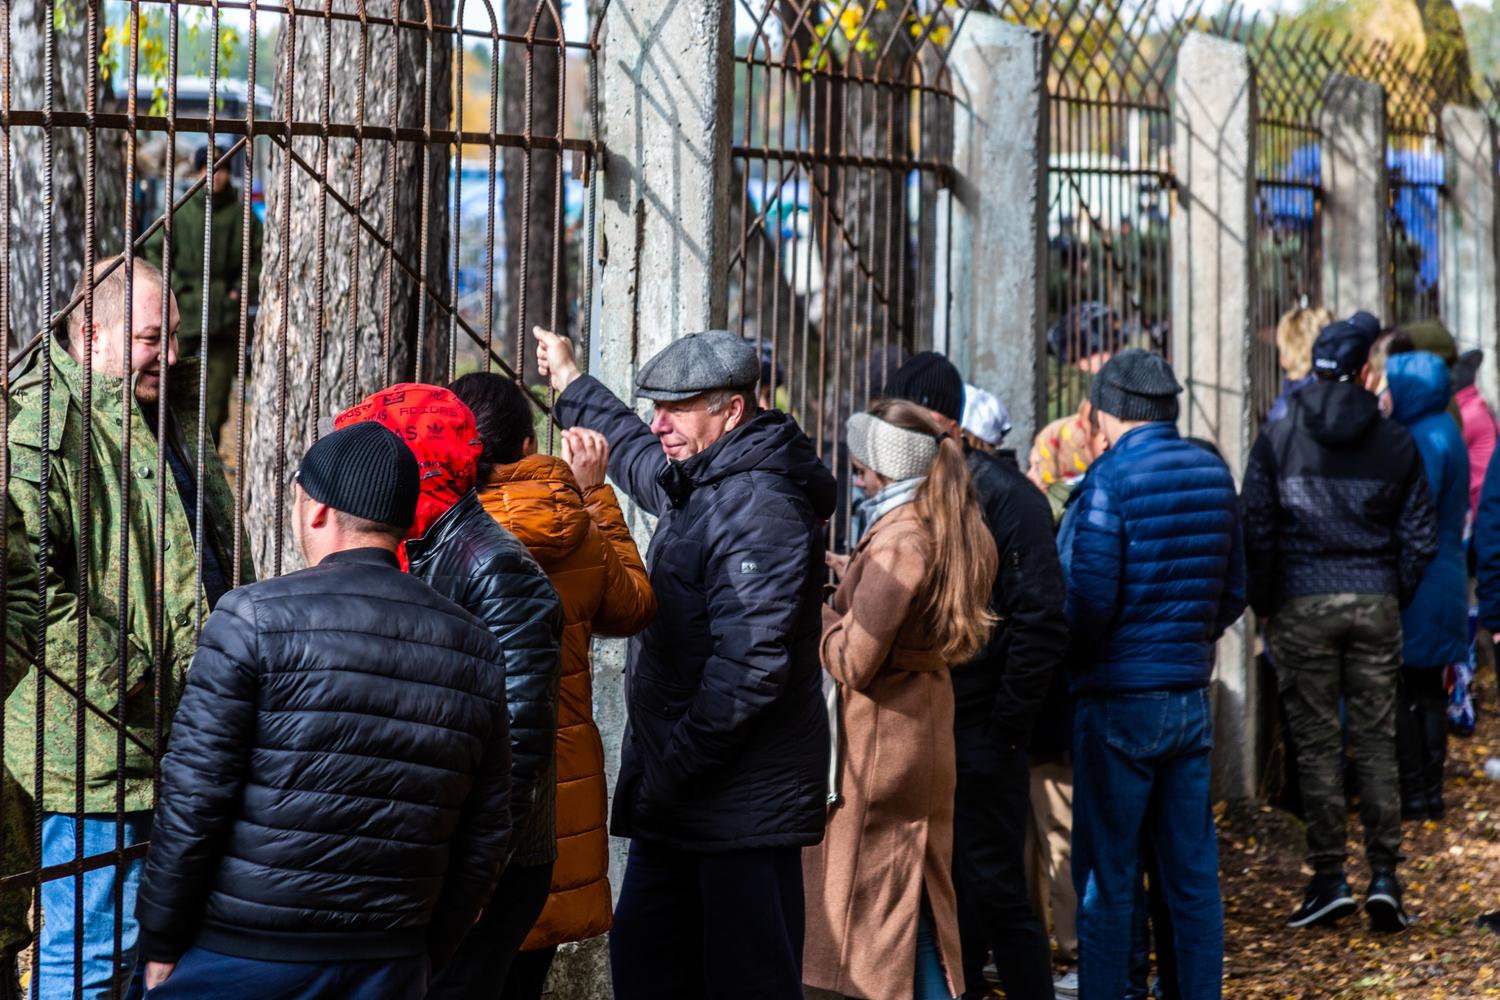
882	922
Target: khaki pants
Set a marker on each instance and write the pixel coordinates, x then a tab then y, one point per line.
1049	852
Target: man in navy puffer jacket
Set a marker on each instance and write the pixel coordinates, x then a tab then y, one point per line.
1154	567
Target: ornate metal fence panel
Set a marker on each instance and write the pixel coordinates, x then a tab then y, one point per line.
1416	87
842	132
1111	189
411	182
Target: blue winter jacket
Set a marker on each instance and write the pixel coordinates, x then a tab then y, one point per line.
1487	547
1154	564
1435	626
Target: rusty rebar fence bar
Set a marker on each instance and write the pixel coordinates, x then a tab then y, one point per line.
842	138
327	198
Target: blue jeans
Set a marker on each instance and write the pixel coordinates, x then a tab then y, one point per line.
54	974
1140	776
931	980
208	975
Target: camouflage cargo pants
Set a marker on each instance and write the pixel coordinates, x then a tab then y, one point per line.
1328	648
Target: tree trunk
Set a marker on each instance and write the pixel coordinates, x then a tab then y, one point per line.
370	327
529	223
27	173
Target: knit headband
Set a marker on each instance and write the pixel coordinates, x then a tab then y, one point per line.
891	452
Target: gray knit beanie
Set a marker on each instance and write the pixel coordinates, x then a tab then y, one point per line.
891	452
1136	385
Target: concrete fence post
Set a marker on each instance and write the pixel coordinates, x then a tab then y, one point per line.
1356	258
664	216
1213	296
1471	274
992	264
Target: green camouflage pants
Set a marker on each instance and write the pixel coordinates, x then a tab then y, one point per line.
16	833
1329	647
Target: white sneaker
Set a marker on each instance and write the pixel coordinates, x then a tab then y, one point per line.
1066	986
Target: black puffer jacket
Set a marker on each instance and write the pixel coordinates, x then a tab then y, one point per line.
727	745
468	558
337	783
1335	501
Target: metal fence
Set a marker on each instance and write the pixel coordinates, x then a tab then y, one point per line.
1111	189
424	174
843	116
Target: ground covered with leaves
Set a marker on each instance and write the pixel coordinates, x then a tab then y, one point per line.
1452	875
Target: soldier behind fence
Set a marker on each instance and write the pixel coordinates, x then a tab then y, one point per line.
217	345
1339	527
16	817
116	636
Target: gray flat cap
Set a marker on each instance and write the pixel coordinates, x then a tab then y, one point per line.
699	363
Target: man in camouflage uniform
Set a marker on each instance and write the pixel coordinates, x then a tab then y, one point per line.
218	345
1339	527
19	612
87	543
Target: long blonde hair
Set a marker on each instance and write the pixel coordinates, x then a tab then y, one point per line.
963	574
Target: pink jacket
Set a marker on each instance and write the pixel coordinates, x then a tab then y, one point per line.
1479	436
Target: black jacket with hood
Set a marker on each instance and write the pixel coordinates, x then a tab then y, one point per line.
727	743
1335	502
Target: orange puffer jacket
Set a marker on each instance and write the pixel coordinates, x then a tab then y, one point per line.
580	539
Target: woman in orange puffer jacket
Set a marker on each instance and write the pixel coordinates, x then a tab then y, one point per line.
567	516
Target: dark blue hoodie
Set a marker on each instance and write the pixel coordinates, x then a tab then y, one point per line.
1435	626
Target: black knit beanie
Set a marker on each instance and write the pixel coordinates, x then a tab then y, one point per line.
363	470
929	380
1136	385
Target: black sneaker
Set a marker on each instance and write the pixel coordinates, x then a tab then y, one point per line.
1328	899
1383	904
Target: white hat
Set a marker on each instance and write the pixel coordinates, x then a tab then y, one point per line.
985	416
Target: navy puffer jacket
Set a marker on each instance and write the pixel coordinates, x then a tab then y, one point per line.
1153	562
337	783
1435	626
727	743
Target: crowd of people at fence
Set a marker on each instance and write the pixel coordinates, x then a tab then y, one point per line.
382	776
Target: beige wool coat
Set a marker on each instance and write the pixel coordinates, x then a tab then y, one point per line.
891	833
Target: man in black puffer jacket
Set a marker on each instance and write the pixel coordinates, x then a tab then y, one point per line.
723	772
334	805
465	555
997	698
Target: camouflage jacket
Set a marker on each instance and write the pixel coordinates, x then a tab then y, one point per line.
95	668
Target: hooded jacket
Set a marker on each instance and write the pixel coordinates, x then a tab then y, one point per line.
1335	502
580	539
727	743
1153	564
1435	626
464	555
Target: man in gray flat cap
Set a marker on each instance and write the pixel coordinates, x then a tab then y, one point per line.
723	771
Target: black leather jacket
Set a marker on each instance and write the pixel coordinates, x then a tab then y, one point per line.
337	783
471	560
